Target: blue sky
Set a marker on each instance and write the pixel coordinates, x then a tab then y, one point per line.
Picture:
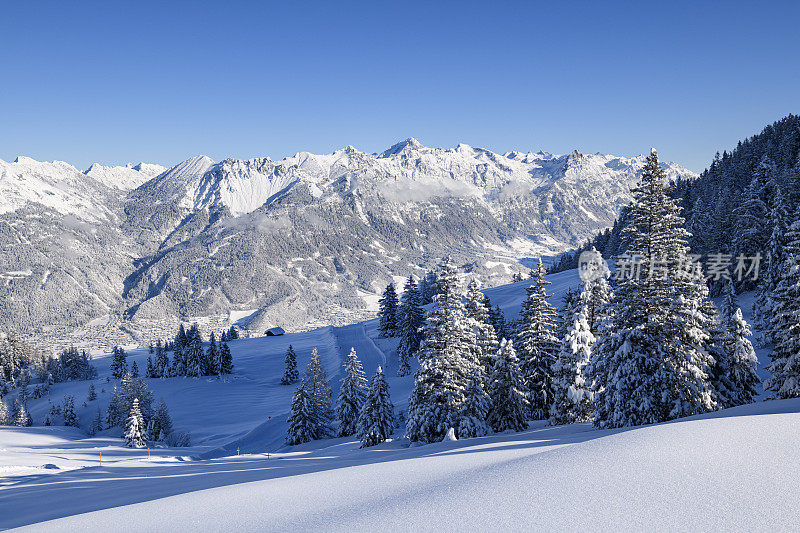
118	82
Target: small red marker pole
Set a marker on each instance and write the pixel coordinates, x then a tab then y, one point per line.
237	451
101	457
148	454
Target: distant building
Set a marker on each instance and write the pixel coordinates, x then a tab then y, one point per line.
274	332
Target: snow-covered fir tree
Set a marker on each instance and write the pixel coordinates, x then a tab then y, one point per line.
316	382
135	432
486	343
376	420
446	362
411	318
134	370
574	398
388	312
195	356
213	359
784	381
224	364
92	395
179	352
351	395
538	345
743	363
119	364
290	373
150	369
302	418
161	423
720	349
130	388
20	415
70	418
5	414
509	399
729	305
161	362
472	421
97	424
770	275
651	362
595	293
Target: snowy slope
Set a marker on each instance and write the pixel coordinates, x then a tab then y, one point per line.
717	471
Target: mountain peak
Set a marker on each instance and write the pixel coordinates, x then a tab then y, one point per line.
409	144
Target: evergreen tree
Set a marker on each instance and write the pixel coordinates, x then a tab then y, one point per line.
388	312
122	400
574	398
316	382
119	364
135	433
485	346
20	415
476	409
651	363
195	356
150	369
290	374
743	363
70	418
161	424
179	349
5	415
720	348
376	420
233	333
498	321
134	370
507	392
225	365
446	363
411	318
770	277
538	345
595	295
97	423
785	323
728	303
213	360
302	418
161	364
92	393
351	395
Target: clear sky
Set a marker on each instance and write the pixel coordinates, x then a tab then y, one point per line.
118	82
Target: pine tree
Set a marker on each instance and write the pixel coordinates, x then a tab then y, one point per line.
97	423
595	294
573	401
20	415
179	363
507	392
213	360
720	348
446	363
351	395
472	422
118	363
651	363
150	370
743	363
135	434
92	393
225	359
290	374
376	420
302	418
729	306
161	364
233	333
316	383
538	345
770	277
5	415
161	422
195	356
411	318
388	312
785	323
485	346
70	418
130	388
134	370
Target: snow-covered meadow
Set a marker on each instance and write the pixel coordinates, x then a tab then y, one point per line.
732	469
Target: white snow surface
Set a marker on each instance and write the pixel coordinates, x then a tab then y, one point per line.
126	177
732	470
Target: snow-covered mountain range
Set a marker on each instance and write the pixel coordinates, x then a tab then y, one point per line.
306	240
